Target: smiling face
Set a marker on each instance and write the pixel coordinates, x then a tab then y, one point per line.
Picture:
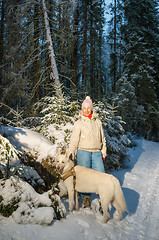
86	111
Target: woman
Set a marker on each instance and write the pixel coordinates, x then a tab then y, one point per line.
89	141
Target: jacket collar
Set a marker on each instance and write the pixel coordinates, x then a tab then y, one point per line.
94	116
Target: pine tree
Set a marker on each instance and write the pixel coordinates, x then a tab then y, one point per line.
140	35
28	63
116	139
115	41
75	51
36	64
91	20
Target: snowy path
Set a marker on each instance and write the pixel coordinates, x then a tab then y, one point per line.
144	179
140	181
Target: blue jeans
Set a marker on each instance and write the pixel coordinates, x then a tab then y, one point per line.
90	160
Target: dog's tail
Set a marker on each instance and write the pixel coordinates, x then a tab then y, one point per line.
119	197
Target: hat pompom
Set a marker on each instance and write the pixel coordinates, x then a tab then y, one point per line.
88	98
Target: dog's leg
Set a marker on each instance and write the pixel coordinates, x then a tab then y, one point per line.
71	199
76	200
62	189
106	215
104	204
115	204
69	185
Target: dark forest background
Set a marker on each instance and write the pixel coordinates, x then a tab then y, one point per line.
112	60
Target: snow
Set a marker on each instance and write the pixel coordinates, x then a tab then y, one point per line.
15	189
30	141
139	181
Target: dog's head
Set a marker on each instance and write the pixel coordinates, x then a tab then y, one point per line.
61	162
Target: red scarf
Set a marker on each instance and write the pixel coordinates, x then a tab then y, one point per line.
90	116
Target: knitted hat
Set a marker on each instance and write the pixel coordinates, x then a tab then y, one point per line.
87	102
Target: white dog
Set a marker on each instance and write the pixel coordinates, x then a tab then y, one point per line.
91	181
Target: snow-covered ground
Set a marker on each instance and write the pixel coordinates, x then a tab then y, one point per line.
139	180
30	141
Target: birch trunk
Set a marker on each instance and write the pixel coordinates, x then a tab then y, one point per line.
54	72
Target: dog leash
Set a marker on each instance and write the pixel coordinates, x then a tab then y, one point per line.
70	173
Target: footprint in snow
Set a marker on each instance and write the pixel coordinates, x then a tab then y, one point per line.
83	223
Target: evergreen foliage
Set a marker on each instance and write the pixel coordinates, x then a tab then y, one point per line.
8	209
7	151
125	71
23	194
56	110
139	72
114	40
26	74
116	139
57	118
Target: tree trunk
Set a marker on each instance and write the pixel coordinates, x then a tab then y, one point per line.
1	44
36	52
54	72
100	60
120	55
115	67
84	51
75	52
92	55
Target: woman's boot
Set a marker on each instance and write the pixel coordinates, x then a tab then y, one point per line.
86	202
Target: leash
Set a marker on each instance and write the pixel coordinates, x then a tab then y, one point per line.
70	173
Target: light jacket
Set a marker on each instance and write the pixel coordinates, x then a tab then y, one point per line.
88	135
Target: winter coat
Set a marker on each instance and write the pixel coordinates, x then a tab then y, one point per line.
88	135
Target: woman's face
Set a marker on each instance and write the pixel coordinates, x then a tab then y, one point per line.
87	111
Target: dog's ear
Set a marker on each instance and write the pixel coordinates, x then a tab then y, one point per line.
67	154
59	152
54	163
70	157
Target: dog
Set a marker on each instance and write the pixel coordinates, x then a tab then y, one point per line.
81	179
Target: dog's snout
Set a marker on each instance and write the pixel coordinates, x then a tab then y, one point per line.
58	168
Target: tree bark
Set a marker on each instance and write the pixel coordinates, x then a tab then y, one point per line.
100	60
114	59
54	72
84	47
92	55
75	52
36	52
1	44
